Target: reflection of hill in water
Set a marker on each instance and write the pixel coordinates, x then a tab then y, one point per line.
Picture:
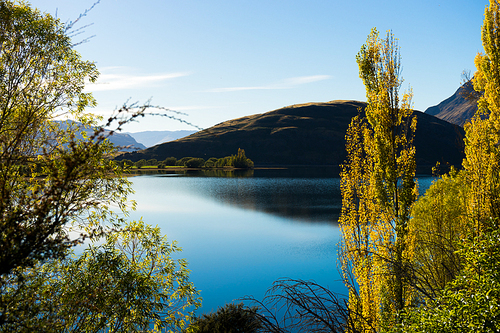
315	199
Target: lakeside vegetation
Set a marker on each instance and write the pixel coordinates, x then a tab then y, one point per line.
238	161
411	265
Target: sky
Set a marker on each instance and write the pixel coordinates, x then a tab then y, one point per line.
216	60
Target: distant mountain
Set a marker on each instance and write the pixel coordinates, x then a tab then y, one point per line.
152	138
304	134
125	141
458	108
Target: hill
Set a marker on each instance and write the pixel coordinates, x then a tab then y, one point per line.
458	108
152	138
304	134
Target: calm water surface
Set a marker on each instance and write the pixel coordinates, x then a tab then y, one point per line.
239	234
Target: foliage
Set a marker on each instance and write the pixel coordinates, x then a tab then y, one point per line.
152	161
482	150
128	284
48	179
439	222
236	161
231	318
57	190
170	161
471	302
378	189
195	162
463	261
211	162
139	164
182	161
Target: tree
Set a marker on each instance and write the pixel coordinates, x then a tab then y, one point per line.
470	303
139	164
170	161
378	189
194	162
128	284
210	163
241	161
182	161
48	179
482	161
439	222
55	190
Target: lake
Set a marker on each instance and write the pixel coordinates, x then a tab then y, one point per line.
242	231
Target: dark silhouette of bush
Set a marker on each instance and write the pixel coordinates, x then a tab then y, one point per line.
231	318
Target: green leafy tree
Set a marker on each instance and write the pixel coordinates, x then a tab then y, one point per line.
48	179
152	162
171	161
182	161
439	222
55	190
240	160
210	163
471	302
195	162
139	164
378	189
128	284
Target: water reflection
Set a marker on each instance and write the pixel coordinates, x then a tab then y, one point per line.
300	199
310	195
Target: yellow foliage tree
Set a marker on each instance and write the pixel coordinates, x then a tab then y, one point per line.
482	162
378	190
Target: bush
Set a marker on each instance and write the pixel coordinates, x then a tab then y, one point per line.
139	164
228	319
210	163
152	162
171	161
182	161
195	162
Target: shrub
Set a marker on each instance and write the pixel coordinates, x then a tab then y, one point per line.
195	162
228	319
171	161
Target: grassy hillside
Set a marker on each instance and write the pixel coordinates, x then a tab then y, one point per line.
304	134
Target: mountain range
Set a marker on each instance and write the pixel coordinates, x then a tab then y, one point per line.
304	134
152	138
125	141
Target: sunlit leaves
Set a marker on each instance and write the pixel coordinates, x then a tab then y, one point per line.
129	283
378	189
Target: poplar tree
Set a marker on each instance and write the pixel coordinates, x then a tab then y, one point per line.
378	190
482	161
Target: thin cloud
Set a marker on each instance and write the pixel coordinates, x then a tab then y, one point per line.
125	81
284	84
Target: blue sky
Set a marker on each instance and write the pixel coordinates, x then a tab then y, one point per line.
217	60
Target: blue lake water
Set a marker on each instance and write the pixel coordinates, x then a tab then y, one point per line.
241	233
